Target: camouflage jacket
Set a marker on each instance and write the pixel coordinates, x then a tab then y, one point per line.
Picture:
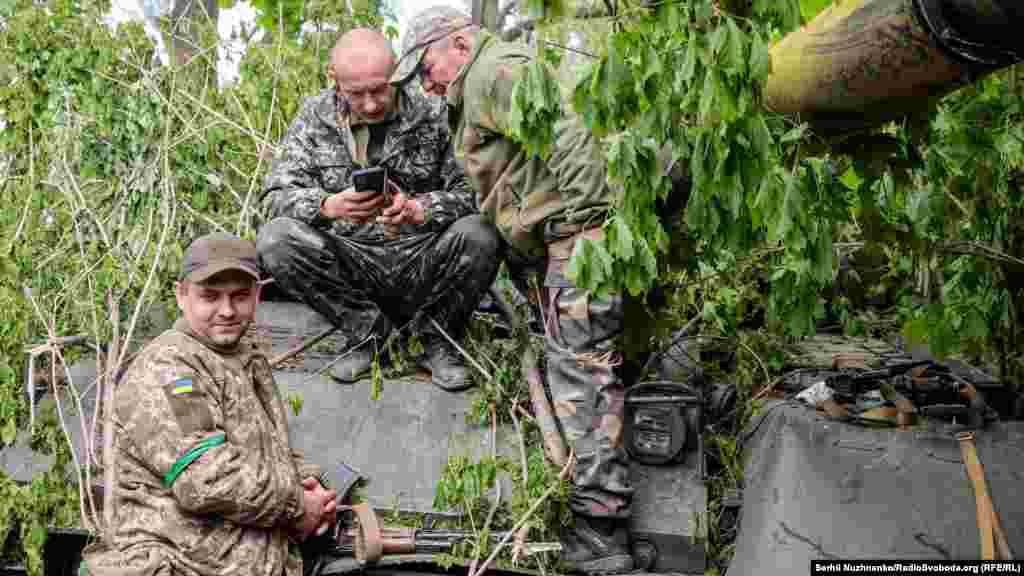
317	157
519	194
207	483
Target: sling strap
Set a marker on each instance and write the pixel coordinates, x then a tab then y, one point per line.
993	537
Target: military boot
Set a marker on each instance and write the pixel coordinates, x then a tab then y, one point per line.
357	363
445	363
595	546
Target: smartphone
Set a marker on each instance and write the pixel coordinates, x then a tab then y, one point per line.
374	178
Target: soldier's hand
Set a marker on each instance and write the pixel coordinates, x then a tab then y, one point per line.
352	205
403	210
329	513
320	508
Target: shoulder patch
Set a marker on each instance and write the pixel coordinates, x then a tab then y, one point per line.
181	386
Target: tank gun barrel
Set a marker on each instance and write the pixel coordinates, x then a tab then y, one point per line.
861	63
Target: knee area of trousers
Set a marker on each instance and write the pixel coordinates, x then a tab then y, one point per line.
273	239
480	238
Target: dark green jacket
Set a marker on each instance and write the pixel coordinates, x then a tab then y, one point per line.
519	194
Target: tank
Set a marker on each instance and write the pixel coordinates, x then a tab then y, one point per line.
816	488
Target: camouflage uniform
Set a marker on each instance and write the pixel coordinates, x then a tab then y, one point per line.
349	272
231	509
541	207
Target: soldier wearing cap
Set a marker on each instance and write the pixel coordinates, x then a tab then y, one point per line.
326	245
207	482
541	208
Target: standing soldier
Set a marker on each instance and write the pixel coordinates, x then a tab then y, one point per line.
541	208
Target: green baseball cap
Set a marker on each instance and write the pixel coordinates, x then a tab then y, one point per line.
215	253
425	28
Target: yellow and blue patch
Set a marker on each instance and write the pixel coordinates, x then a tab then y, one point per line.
181	386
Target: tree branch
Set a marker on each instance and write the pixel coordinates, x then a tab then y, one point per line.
109	506
583	12
562	475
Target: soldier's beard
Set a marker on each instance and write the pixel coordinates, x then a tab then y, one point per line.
227	336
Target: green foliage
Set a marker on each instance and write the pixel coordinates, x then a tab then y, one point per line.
291	15
684	83
103	154
464	483
295	401
811	8
377	377
536	106
49	500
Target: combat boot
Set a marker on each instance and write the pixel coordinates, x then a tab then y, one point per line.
595	546
357	363
445	363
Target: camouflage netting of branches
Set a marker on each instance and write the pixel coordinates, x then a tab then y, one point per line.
109	165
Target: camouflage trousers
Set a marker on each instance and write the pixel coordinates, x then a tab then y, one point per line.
365	284
588	395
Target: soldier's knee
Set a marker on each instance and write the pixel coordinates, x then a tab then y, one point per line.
275	242
480	238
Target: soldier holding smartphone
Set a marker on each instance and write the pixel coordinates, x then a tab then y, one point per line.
371	219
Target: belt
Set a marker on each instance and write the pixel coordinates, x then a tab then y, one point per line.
562	238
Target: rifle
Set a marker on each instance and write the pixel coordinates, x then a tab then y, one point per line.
363	537
359	534
849	385
938	398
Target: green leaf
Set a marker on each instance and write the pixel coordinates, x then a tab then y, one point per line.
718	39
621	239
8	433
602	262
377	378
760	59
732	185
726	100
707	98
795	134
579	270
648	260
792	206
735	57
823	257
652	64
690	60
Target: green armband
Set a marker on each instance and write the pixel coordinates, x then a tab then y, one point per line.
191	457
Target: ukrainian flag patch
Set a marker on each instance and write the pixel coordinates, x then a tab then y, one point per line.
181	386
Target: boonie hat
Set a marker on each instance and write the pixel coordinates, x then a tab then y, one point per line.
217	252
425	28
